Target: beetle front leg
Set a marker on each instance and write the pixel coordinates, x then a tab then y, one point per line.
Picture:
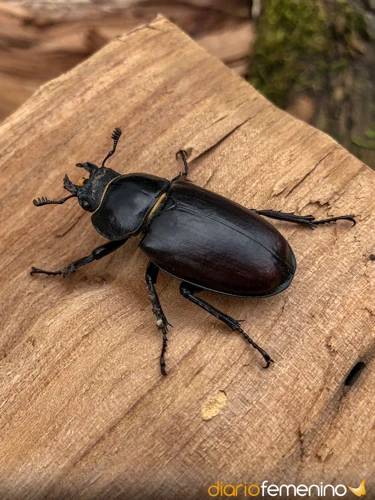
306	220
161	321
187	290
97	254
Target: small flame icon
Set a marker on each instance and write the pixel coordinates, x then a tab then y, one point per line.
361	490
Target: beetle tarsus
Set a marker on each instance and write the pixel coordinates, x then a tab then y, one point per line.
161	321
235	325
187	290
35	270
306	220
184	156
163	351
350	218
266	357
70	268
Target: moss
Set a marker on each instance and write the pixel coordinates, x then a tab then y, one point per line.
296	47
370	133
349	24
363	143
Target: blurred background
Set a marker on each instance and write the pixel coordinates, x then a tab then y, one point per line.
314	58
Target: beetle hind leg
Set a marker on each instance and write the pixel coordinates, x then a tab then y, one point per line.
161	321
187	290
305	220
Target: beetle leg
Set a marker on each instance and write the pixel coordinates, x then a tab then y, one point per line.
161	321
187	290
307	220
97	254
184	156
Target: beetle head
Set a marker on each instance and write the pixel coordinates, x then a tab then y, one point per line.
88	191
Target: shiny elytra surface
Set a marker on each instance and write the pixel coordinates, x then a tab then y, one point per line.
210	241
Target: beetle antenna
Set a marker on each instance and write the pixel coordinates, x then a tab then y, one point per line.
44	201
115	136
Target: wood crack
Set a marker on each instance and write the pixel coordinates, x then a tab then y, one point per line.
222	139
309	173
61	235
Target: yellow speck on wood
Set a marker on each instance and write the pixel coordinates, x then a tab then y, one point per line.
213	405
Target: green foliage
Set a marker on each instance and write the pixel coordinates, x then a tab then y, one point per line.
296	47
350	24
370	133
363	143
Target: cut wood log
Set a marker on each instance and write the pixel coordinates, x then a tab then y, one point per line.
84	409
40	42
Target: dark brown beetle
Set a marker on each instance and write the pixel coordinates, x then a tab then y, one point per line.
199	237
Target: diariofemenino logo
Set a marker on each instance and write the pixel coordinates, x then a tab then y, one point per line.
242	490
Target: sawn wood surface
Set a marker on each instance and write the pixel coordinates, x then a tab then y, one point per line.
85	412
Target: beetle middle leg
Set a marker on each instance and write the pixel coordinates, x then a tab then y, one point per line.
188	291
306	220
184	156
97	254
161	321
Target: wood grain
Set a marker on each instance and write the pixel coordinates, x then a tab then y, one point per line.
40	41
84	409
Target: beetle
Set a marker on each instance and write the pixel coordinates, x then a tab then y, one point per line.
206	241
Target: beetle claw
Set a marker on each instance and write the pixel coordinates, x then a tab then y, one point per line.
352	219
181	153
35	270
268	361
162	368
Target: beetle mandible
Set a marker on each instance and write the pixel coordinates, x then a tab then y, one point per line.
201	238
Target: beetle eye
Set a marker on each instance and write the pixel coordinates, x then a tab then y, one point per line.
85	204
